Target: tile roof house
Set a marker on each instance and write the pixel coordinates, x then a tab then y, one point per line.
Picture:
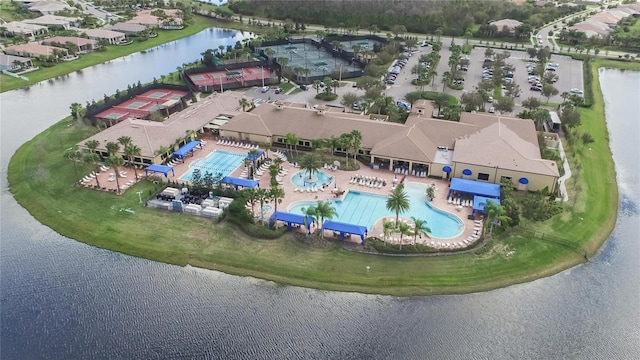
144	17
113	37
21	28
83	44
10	62
54	21
33	50
510	24
47	7
492	147
127	28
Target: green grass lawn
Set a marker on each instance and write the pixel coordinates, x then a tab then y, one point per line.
10	83
42	181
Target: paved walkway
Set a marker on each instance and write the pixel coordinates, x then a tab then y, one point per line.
341	181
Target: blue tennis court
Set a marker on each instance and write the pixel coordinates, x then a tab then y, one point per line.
365	209
219	161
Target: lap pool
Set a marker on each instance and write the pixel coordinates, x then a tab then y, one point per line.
219	161
366	209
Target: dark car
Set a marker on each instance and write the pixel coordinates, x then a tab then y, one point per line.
535	88
304	87
278	90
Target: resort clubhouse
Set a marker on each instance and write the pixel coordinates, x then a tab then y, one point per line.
464	162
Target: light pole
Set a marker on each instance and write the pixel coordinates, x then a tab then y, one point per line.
262	74
140	196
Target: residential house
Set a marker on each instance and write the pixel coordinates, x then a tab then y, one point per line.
127	28
506	24
34	50
54	21
113	37
16	28
50	7
83	44
10	62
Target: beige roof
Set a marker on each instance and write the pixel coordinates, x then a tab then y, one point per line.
504	144
509	23
51	20
73	39
151	135
126	27
50	6
103	34
144	17
18	27
8	60
33	49
477	139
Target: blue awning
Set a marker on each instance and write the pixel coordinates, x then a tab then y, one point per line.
157	168
446	169
479	202
466	172
291	218
475	187
523	181
240	182
255	156
186	149
344	228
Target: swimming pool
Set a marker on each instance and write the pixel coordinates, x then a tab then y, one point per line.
301	179
366	208
219	161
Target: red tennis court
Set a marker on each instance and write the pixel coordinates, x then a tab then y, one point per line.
216	78
143	105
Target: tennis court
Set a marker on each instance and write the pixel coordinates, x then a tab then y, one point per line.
141	106
319	61
220	78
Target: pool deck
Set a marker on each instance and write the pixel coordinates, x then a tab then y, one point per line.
342	181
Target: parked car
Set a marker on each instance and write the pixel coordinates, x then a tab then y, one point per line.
492	110
535	88
305	87
264	89
490	99
278	90
576	91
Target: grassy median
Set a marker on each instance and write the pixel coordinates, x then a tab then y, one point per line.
42	181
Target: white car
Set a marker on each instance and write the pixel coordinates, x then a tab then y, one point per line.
264	89
576	91
492	110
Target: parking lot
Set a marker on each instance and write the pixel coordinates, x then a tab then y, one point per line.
569	74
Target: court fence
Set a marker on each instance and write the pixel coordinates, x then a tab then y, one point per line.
273	80
94	109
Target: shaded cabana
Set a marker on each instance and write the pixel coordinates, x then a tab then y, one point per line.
291	218
345	228
185	149
239	182
479	202
475	187
157	168
255	156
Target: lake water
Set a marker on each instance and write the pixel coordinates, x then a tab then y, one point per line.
61	299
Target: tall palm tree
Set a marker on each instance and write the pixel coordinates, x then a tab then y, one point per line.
125	141
495	213
324	210
267	146
276	194
398	201
310	163
274	170
163	151
92	145
112	148
115	161
252	197
403	229
345	143
74	155
356	142
292	141
310	215
93	159
132	151
420	228
387	228
333	142
446	79
253	155
263	196
244	103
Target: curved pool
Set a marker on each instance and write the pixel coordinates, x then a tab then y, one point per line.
366	209
319	178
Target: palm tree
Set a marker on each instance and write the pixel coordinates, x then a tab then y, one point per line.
345	143
74	155
92	145
274	170
131	151
112	148
495	213
292	141
310	163
324	210
356	142
398	201
244	103
269	52
333	142
467	35
310	215
446	78
250	194
387	227
403	229
267	146
93	159
115	161
191	135
76	110
420	227
262	195
253	155
276	194
163	151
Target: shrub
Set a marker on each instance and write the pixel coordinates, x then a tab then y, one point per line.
378	245
326	97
